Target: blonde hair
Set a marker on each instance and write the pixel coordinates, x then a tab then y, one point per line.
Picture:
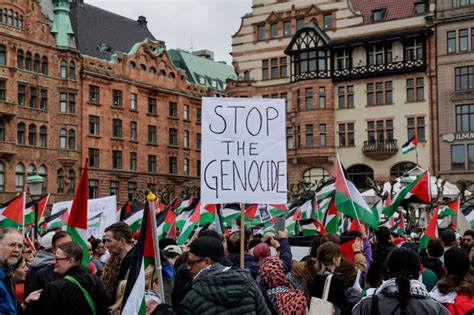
326	253
115	308
151	276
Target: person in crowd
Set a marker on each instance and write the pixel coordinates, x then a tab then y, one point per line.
153	301
281	295
109	274
11	244
328	259
28	255
382	249
21	268
98	249
302	272
218	289
449	240
402	293
432	260
262	251
456	289
172	253
118	240
77	292
468	241
117	306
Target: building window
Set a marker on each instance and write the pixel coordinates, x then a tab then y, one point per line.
117	98
20	133
345	96
133	161
287	28
274	30
72	139
36	63
359	174
299	24
32	97
63	102
152	107
458	157
186	167
20	59
63	69
380	131
310	62
383	94
43	136
261	32
93	188
2	130
322	97
116	159
114	187
32	135
2	176
451	41
343	59
117	128
3	55
414	49
415	90
133	131
315	175
173	110
21	95
19	177
463	40
198	141
377	54
94	94
198	168
322	135
378	15
63	138
198	115
131	190
328	21
420	7
289	138
44	99
44	65
265	70
72	70
94	157
464	78
94	125
60	181
43	173
401	169
274	65
173	167
470	156
309	99
152	163
416	124
3	91
173	137
186	112
464	118
152	134
186	139
133	102
309	136
28	61
346	135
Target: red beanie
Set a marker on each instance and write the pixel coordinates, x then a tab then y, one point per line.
261	251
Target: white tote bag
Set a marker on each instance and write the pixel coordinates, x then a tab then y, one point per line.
323	306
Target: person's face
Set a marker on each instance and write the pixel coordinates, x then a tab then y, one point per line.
62	263
62	240
28	255
20	272
467	240
336	261
197	263
11	247
113	245
89	246
100	249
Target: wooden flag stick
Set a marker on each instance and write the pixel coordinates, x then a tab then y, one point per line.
242	235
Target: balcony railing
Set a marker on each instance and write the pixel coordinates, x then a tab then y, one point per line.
380	150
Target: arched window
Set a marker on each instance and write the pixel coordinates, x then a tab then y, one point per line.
32	134
20	24
358	175
36	63
5	16
19	177
43	173
43	133
62	138
63	69
315	175
15	21
10	17
60	181
398	170
246	75
20	59
142	67
2	174
72	182
163	73
20	133
172	75
31	169
72	139
153	70
28	61
132	65
2	130
3	55
72	70
44	65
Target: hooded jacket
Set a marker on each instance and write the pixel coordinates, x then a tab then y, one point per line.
7	297
42	259
224	290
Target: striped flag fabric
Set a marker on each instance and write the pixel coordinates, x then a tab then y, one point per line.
132	214
53	222
431	231
410	145
452	208
401	225
11	213
30	211
189	225
77	221
469	214
331	218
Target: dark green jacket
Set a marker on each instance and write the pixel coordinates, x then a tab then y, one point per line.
220	290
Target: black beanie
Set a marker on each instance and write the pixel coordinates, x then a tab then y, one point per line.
456	261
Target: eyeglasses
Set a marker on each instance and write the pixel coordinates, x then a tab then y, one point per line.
192	262
61	258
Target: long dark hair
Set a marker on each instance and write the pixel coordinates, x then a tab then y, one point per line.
403	265
310	264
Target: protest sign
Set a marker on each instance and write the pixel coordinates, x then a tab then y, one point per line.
243	151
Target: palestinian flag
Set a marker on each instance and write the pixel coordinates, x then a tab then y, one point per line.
164	222
257	214
94	222
53	222
349	201
331	218
410	145
292	221
184	213
469	214
189	225
312	227
30	211
384	202
324	195
418	191
132	214
431	231
133	301
11	213
401	225
230	212
185	204
207	213
277	210
451	208
77	222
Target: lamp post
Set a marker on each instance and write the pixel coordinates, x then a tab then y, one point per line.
35	185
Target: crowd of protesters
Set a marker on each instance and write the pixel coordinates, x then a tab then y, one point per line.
379	274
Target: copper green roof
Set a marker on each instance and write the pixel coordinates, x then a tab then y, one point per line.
203	71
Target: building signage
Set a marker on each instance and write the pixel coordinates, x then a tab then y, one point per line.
460	136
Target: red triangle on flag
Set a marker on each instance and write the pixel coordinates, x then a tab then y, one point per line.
281	207
341	185
196	216
297	216
149	250
422	189
354	225
42	205
251	211
78	212
15	208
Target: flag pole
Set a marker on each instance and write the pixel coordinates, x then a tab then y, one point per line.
416	152
151	198
242	235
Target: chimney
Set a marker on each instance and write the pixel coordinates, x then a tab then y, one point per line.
142	21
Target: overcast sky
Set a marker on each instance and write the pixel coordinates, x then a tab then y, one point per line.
200	24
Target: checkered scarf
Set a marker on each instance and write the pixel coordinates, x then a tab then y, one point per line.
389	288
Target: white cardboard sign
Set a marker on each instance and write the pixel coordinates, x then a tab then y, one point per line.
243	151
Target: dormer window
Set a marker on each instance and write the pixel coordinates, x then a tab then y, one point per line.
378	15
420	7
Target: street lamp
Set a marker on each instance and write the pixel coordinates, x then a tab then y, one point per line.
35	184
